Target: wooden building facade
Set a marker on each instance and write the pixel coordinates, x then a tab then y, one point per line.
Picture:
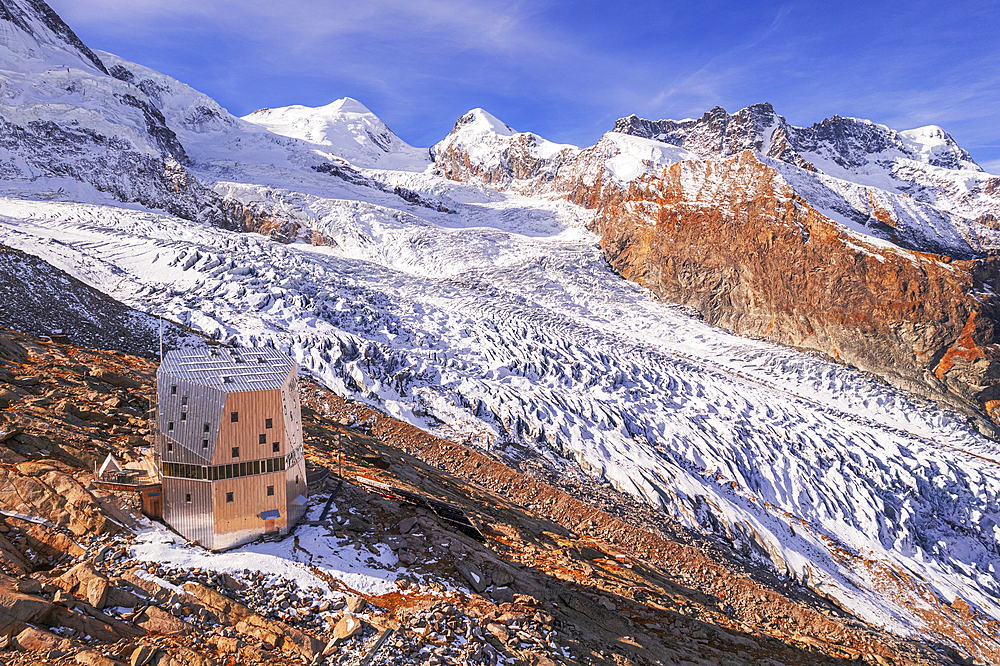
229	438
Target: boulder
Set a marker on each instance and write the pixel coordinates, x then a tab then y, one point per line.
347	627
94	658
142	655
472	573
355	604
220	604
113	378
157	621
18	609
406	524
87	582
96	592
277	634
501	575
33	639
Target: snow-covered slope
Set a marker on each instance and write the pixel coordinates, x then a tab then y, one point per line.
346	129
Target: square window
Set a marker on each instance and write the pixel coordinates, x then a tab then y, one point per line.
229	498
234	417
276	447
170	426
204	443
173	390
236	452
270	491
206	428
263	439
187	497
268	423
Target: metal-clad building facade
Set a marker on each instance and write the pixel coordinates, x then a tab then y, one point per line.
229	438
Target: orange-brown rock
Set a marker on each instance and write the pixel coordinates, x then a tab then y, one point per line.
732	239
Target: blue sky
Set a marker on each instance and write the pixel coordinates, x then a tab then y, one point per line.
567	70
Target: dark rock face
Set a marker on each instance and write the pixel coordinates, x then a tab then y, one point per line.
761	262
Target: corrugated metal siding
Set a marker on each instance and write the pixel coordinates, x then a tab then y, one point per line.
204	405
192	520
295	461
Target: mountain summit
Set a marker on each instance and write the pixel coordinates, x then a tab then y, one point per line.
345	128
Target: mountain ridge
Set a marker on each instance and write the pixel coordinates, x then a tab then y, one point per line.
474	297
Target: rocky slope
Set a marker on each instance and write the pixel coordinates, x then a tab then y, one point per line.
556	580
41	299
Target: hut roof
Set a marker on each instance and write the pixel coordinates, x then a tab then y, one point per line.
229	370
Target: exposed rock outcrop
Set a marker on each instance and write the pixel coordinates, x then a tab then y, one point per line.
760	261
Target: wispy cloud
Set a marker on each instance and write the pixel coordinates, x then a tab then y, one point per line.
568	69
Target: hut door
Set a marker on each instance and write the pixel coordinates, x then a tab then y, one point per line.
269	526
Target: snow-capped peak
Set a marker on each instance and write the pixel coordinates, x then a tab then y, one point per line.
933	145
345	128
480	121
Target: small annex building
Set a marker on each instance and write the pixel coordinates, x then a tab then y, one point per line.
229	440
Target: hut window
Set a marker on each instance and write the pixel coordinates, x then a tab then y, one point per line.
243	469
229	471
270	491
206	428
184	416
170	426
173	390
204	443
270	465
296	479
236	452
256	467
229	498
234	417
268	423
187	497
184	400
276	447
262	439
170	446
